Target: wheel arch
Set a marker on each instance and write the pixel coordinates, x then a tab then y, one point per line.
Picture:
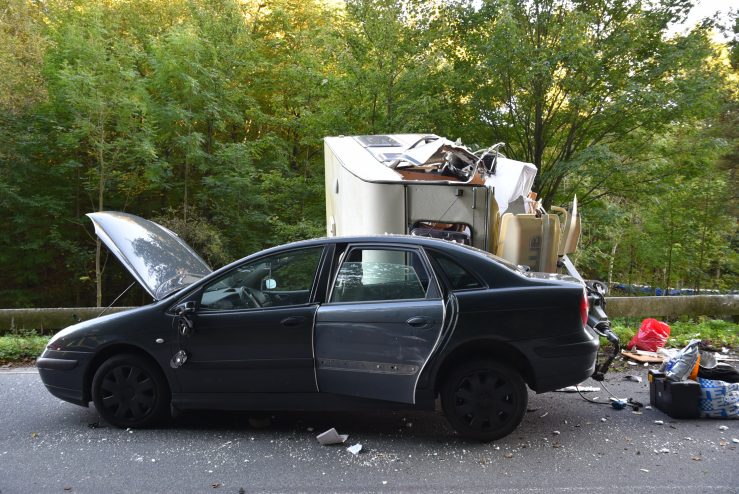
109	351
499	351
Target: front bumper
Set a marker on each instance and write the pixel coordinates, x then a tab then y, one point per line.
63	374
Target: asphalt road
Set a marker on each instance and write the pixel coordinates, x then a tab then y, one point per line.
563	445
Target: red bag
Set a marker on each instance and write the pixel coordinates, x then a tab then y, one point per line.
652	335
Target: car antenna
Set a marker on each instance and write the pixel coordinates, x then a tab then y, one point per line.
116	299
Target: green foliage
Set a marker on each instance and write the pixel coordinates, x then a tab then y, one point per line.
18	347
208	116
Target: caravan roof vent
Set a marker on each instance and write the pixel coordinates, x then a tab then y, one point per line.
378	141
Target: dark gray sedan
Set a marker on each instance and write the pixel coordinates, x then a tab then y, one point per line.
329	324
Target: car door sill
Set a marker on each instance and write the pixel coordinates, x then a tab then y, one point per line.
286	401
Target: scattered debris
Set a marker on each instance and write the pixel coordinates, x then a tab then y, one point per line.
331	437
618	403
409	424
384	482
34	435
659	422
663	450
631	377
723	427
603	419
556	433
216	485
310	429
354	449
579	387
643	357
630	362
545	414
723	442
735	440
696	458
508	455
644	470
67	487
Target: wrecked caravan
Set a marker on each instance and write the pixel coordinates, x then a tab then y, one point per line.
426	185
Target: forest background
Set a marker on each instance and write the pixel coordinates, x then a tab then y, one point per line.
208	117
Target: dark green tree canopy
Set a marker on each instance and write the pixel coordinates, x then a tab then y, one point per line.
208	116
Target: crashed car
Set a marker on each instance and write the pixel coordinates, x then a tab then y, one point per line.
341	323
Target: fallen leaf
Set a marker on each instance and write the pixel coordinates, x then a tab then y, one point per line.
696	458
508	455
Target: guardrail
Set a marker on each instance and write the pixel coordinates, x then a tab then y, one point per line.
53	319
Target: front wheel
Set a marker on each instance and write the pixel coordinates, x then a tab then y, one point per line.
129	391
484	400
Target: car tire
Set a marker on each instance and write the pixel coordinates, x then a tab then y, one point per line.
129	391
484	400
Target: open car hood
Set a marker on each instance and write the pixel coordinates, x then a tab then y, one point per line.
154	255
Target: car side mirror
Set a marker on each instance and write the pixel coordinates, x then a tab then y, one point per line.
184	324
270	284
185	308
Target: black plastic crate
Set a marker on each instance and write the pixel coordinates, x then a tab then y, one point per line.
679	400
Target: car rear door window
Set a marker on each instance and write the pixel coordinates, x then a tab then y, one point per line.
374	274
459	278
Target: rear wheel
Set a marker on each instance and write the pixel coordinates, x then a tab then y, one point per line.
129	391
484	400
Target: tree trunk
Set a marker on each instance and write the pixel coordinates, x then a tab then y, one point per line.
101	188
610	264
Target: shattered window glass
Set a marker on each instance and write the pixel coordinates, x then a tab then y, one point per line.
373	274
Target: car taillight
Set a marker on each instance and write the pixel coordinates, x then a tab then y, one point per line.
584	307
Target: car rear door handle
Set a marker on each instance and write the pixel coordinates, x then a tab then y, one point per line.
418	322
293	321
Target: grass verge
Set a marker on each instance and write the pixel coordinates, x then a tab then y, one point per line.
21	347
713	332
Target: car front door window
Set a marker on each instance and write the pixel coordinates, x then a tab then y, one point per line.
274	281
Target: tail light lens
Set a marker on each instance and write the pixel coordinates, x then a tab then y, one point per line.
584	307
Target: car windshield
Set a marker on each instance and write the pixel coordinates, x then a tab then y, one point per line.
176	283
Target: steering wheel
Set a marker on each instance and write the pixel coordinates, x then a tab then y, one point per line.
247	297
257	296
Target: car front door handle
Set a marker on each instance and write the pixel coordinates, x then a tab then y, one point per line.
417	322
293	321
